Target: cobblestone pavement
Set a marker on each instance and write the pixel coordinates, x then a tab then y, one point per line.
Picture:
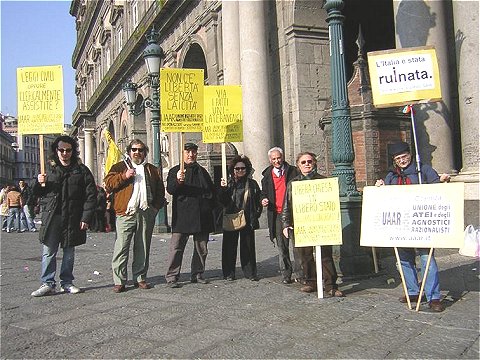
239	319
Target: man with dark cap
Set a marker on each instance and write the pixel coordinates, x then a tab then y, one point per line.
404	172
193	195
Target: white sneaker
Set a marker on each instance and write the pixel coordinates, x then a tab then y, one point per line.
70	288
44	290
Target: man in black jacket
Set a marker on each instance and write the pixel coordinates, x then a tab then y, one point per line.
68	198
274	184
192	204
28	200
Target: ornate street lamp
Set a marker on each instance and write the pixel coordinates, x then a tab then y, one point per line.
354	259
153	56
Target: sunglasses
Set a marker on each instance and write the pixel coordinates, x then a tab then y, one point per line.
239	168
69	150
303	162
141	150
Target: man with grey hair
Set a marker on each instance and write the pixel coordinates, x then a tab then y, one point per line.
274	184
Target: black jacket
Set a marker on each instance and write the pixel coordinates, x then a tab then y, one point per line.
268	191
232	199
71	192
193	201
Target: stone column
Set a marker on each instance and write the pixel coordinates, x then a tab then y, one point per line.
231	48
89	148
257	126
420	23
81	148
465	15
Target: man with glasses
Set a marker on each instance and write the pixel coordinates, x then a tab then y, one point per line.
307	164
193	196
68	199
274	185
139	193
404	172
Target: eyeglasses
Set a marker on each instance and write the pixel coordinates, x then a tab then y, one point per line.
69	150
401	157
239	168
141	150
309	161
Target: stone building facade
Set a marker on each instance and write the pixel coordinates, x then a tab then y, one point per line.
279	52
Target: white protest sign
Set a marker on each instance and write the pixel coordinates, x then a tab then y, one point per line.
424	216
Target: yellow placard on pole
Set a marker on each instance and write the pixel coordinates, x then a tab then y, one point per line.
40	100
316	212
222	121
423	216
181	100
404	76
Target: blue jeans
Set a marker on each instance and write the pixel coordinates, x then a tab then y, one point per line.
14	214
27	220
49	256
432	284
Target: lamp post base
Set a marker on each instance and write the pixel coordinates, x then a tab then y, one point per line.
354	260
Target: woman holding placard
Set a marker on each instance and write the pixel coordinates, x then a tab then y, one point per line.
240	197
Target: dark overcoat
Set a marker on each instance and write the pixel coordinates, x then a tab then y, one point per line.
193	201
268	192
70	191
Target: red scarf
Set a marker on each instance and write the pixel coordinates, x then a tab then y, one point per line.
402	179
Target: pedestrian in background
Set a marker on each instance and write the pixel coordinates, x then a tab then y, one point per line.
99	218
274	185
4	207
193	198
15	205
240	193
139	194
68	198
28	200
307	164
404	172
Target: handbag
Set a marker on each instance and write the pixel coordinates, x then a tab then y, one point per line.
236	221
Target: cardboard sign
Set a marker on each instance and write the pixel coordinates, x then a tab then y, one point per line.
404	76
181	100
421	216
316	212
222	120
40	100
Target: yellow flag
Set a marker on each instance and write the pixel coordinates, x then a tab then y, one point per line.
114	154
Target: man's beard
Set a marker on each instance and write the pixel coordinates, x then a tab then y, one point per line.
137	161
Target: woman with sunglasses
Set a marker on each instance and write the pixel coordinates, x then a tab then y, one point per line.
307	164
68	197
233	198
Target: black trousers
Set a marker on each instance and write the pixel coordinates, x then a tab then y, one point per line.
248	258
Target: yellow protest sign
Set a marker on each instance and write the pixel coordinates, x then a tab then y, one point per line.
222	121
40	100
181	100
316	212
424	216
404	76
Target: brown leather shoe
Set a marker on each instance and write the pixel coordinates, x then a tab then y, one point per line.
142	285
308	288
436	305
334	293
118	288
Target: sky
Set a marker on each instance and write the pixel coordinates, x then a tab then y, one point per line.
36	33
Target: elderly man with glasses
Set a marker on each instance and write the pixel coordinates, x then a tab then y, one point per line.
139	193
404	172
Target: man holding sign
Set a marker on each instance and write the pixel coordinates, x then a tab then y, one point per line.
404	172
307	164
